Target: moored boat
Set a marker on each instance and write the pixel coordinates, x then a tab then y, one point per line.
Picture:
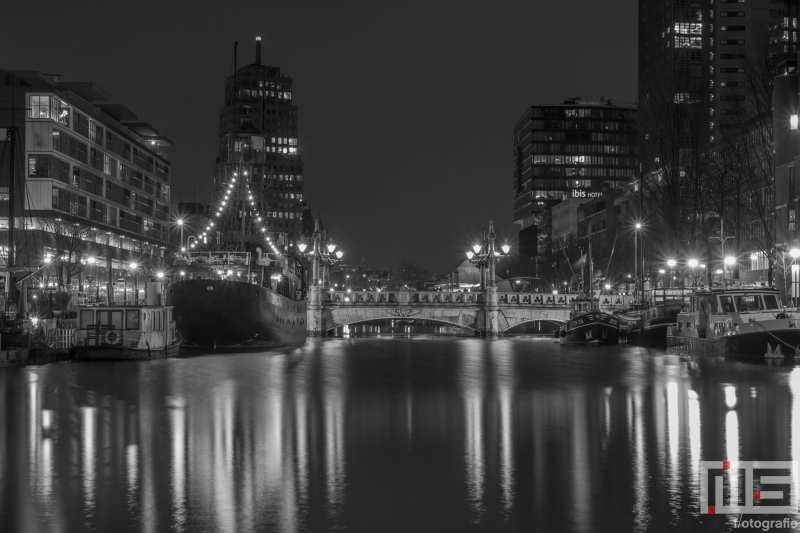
126	331
742	321
224	301
648	325
588	325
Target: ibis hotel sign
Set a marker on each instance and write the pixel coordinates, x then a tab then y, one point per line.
581	193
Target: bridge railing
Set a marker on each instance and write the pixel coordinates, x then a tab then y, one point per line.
607	302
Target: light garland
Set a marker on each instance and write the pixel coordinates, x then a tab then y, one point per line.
224	204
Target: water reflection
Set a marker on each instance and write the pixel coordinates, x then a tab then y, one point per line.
370	434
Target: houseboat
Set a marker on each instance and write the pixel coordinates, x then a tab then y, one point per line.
126	331
743	321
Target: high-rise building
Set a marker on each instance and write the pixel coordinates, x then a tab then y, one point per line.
92	179
260	115
577	149
698	51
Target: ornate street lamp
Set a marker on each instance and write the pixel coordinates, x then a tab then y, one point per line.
485	256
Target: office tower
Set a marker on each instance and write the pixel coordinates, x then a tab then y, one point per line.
577	149
258	128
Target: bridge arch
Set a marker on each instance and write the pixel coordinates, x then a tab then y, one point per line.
465	317
437	320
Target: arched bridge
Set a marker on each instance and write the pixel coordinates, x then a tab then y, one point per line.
491	313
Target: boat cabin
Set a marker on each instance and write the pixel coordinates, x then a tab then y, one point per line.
139	327
720	312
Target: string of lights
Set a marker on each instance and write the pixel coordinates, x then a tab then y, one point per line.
226	200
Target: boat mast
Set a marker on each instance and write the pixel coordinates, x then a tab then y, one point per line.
591	275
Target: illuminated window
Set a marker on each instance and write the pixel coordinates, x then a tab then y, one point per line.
688	28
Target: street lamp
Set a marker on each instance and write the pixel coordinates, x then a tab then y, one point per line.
484	255
671	263
637	227
134	266
180	223
795	253
729	262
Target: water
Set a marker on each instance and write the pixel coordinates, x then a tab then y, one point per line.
386	435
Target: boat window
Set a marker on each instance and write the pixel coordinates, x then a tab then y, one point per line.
748	302
110	318
132	319
726	304
771	302
87	318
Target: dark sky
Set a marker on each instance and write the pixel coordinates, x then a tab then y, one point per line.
406	108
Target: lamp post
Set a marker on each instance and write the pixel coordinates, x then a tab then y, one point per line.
180	223
319	256
636	229
486	256
729	262
134	266
671	263
795	253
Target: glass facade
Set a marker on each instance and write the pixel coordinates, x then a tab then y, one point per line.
574	150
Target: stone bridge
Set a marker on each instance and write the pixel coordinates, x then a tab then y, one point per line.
490	313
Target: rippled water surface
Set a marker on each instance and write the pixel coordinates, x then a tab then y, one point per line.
386	435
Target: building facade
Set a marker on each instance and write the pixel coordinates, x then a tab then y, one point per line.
577	149
697	51
92	175
259	106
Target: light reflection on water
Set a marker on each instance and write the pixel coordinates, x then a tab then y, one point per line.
372	434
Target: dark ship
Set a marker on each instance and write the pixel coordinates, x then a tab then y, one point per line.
587	324
239	286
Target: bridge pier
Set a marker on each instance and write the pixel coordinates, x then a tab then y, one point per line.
491	326
314	313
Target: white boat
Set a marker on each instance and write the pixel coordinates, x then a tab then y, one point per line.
127	331
743	320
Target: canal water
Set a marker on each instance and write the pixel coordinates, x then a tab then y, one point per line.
376	434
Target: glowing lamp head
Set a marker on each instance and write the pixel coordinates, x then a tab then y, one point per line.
230	272
159	275
793	122
795	252
470	255
91	260
693	263
555	292
180	222
183	248
672	262
47	259
476	248
730	260
331	248
339	254
638	225
302	246
134	266
608	286
35	320
505	248
183	273
660	270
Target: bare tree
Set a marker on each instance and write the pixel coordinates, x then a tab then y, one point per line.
70	242
671	143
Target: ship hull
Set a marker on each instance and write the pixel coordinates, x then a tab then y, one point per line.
773	344
591	328
110	353
235	314
650	334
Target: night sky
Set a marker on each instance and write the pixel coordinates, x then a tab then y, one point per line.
406	109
